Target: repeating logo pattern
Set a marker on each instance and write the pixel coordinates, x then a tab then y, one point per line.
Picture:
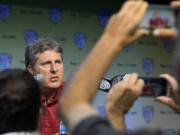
4	11
148	112
148	64
103	17
55	14
30	36
80	40
5	61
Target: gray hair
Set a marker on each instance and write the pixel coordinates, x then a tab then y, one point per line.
40	45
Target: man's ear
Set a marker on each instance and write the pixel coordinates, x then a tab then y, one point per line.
30	69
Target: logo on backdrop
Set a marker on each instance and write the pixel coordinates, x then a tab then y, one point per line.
103	17
80	40
5	61
147	65
169	45
170	132
128	47
101	110
148	112
55	14
4	11
30	36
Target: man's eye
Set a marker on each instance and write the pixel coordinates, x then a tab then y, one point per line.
47	63
59	62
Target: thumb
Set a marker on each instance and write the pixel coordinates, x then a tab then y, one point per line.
170	102
165	32
164	100
139	33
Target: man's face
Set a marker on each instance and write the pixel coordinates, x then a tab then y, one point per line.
50	65
156	15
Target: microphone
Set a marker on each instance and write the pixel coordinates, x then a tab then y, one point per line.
39	78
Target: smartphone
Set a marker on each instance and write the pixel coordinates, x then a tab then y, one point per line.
154	87
158	16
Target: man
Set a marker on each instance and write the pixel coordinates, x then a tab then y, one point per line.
44	56
156	21
75	105
19	103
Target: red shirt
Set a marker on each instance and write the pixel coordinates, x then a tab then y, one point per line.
49	122
157	22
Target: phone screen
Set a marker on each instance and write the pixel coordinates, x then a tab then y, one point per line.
158	16
154	87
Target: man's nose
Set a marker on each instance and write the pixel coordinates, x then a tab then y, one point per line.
53	67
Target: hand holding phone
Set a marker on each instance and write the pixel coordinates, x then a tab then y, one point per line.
159	16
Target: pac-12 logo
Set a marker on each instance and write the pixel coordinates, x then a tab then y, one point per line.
169	44
4	11
103	17
30	36
148	112
5	61
128	47
101	110
80	40
147	65
55	14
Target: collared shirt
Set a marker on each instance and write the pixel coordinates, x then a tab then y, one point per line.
157	21
49	122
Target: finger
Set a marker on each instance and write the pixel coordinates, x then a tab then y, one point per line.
136	14
141	6
164	100
127	6
175	4
169	91
135	9
139	33
123	13
171	80
140	85
165	32
133	78
140	10
127	77
170	102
